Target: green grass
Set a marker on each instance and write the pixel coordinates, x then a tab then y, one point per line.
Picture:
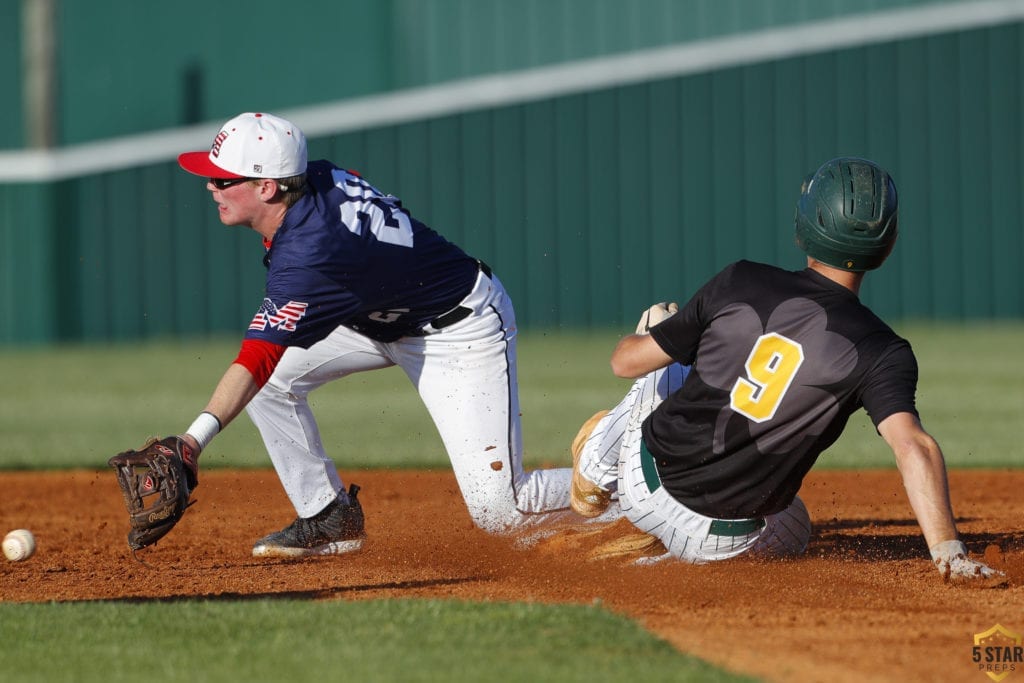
284	640
76	406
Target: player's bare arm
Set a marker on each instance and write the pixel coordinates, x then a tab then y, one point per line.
920	461
636	355
633	357
923	467
234	391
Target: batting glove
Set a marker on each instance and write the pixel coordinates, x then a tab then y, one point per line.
953	563
654	315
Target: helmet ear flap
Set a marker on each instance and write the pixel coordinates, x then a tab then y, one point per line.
847	214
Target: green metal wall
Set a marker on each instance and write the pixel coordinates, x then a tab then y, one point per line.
445	39
11	124
589	206
125	66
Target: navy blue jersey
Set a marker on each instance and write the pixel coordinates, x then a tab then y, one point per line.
347	254
780	361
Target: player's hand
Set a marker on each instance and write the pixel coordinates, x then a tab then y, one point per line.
956	566
654	315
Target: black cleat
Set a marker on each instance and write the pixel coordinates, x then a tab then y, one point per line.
335	530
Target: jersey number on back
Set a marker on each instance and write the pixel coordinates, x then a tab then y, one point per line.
382	214
771	366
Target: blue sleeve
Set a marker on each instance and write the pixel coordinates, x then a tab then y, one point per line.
300	308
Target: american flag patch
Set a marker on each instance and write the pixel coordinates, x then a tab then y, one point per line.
283	318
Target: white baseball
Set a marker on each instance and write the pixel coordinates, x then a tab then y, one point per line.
19	545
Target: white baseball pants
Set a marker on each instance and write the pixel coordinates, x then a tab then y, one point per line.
611	458
466	376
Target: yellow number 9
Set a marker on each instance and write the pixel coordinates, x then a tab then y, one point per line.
771	366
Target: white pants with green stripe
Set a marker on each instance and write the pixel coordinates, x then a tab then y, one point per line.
612	459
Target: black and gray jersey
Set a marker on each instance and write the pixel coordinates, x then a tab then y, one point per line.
780	360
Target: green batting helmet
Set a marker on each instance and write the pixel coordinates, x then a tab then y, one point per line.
847	213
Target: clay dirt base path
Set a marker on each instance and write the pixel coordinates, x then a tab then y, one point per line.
862	605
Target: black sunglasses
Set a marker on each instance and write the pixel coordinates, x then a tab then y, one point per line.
225	183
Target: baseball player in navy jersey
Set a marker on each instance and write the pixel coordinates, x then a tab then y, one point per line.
740	390
354	283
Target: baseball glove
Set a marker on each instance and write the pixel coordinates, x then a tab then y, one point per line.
164	472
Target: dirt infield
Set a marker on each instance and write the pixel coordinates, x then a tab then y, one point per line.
863	605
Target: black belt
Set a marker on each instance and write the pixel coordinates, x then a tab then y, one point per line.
450	318
719	527
459	312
